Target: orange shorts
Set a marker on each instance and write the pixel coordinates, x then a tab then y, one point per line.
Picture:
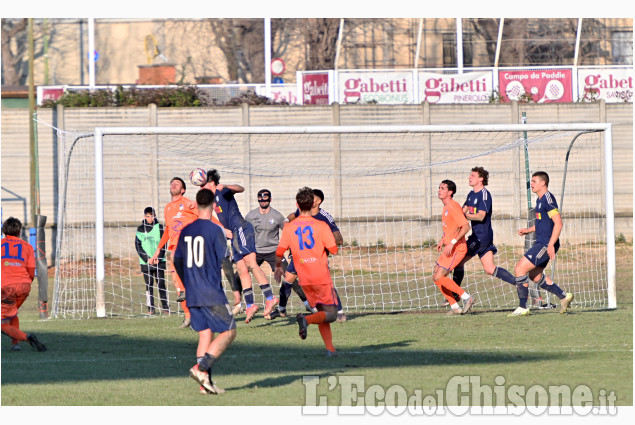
458	254
13	296
320	294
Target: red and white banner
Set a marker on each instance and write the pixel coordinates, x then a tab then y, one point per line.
612	85
375	87
471	87
315	88
543	86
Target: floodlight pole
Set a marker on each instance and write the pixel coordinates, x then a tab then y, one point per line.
268	57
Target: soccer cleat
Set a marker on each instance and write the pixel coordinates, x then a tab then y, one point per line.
37	345
273	315
251	312
332	353
303	325
468	305
186	323
270	305
202	378
150	311
454	311
237	309
445	303
564	303
16	347
202	390
166	311
341	317
180	297
519	312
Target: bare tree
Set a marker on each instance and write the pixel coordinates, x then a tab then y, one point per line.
14	47
321	41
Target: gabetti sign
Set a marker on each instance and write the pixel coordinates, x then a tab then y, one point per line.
471	87
379	87
612	85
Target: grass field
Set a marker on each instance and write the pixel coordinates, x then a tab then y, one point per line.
145	361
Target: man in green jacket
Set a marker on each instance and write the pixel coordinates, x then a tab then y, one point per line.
146	242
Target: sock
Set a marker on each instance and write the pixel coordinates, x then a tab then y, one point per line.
285	291
340	309
315	318
266	291
553	288
504	275
205	364
306	304
449	284
465	296
298	290
327	336
457	275
454	306
13	332
15	322
523	291
249	297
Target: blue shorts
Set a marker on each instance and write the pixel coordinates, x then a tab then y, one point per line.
538	256
475	247
291	267
218	318
243	241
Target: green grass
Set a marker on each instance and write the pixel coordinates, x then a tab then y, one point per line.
145	361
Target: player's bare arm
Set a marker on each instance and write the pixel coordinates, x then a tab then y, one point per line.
339	239
447	250
555	234
236	188
526	231
479	216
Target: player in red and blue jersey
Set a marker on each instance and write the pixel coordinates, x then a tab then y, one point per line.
198	256
478	210
548	226
243	243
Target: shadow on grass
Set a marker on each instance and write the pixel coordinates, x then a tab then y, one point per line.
114	357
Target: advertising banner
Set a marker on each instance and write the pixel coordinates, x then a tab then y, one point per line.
470	87
612	85
543	86
375	87
315	88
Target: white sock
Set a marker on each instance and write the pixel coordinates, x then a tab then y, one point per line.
454	306
465	296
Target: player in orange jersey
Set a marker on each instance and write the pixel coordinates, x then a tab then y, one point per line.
310	240
18	271
452	247
178	213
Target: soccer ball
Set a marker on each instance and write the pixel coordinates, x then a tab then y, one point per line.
198	177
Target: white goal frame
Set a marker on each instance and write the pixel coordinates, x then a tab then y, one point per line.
100	132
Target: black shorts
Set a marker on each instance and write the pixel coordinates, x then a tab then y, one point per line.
538	256
475	247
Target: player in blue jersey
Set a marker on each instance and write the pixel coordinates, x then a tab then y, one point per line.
548	226
478	210
290	275
243	243
197	259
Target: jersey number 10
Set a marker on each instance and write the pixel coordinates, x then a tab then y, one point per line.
195	251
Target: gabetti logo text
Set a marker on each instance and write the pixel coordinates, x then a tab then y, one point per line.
435	87
392	91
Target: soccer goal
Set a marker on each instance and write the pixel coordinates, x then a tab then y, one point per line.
380	185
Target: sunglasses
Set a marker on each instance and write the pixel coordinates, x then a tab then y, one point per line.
264	199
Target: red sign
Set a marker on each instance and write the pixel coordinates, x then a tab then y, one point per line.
541	86
315	89
51	93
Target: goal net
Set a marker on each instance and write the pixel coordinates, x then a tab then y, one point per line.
380	185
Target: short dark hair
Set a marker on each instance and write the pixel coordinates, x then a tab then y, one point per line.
451	186
213	176
304	198
542	176
179	179
12	227
205	198
482	172
149	210
319	194
265	192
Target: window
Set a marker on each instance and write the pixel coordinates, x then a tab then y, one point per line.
622	47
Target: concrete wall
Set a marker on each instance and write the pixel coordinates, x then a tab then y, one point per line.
16	161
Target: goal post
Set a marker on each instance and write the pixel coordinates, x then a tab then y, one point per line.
380	184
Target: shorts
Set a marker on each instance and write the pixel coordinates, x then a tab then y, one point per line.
458	254
270	258
475	247
291	267
243	241
218	318
320	294
538	256
13	296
